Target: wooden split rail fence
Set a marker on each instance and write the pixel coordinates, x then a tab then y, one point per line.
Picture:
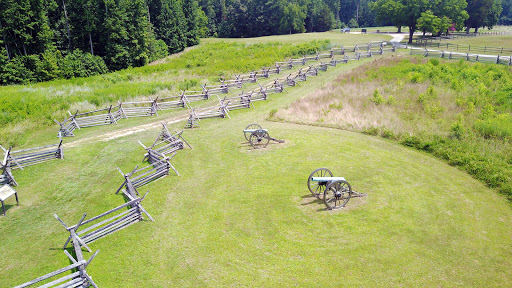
159	167
6	176
165	147
493	59
87	231
138	109
238	102
196	114
27	157
78	278
112	114
99	117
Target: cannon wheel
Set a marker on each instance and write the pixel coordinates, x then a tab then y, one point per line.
337	194
251	127
316	188
259	139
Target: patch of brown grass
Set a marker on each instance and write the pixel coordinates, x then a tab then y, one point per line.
349	104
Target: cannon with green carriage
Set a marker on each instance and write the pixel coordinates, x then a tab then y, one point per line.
336	191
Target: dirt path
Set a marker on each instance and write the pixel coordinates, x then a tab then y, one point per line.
397	37
125	132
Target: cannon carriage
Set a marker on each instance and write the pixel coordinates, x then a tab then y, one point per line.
336	191
258	137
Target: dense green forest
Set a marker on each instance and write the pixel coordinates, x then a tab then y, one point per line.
47	39
41	40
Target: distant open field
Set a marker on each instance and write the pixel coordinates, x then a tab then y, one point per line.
336	38
486	41
244	217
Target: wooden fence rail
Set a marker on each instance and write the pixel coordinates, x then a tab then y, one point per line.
196	114
112	114
237	102
27	157
493	59
105	116
216	89
173	102
466	48
138	109
165	145
79	278
159	167
87	231
67	127
6	175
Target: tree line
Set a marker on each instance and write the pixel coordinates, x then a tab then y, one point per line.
42	40
252	18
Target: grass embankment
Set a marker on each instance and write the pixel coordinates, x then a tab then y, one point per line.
25	109
239	217
457	111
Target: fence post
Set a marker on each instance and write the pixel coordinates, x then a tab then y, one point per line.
469	48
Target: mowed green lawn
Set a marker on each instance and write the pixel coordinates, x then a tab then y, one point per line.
244	217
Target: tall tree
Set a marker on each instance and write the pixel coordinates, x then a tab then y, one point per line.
478	11
190	9
494	14
506	14
293	18
169	22
407	12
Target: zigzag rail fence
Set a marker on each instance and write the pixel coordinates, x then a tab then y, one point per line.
492	59
112	114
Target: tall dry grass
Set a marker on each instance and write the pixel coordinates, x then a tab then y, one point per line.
349	103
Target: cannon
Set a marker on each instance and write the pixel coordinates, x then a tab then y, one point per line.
258	137
336	191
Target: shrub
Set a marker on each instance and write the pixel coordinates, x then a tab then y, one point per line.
337	106
434	61
498	127
371	131
377	97
391	100
158	50
457	130
353	23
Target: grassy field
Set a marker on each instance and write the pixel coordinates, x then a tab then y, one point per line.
336	37
486	41
35	106
243	217
458	111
